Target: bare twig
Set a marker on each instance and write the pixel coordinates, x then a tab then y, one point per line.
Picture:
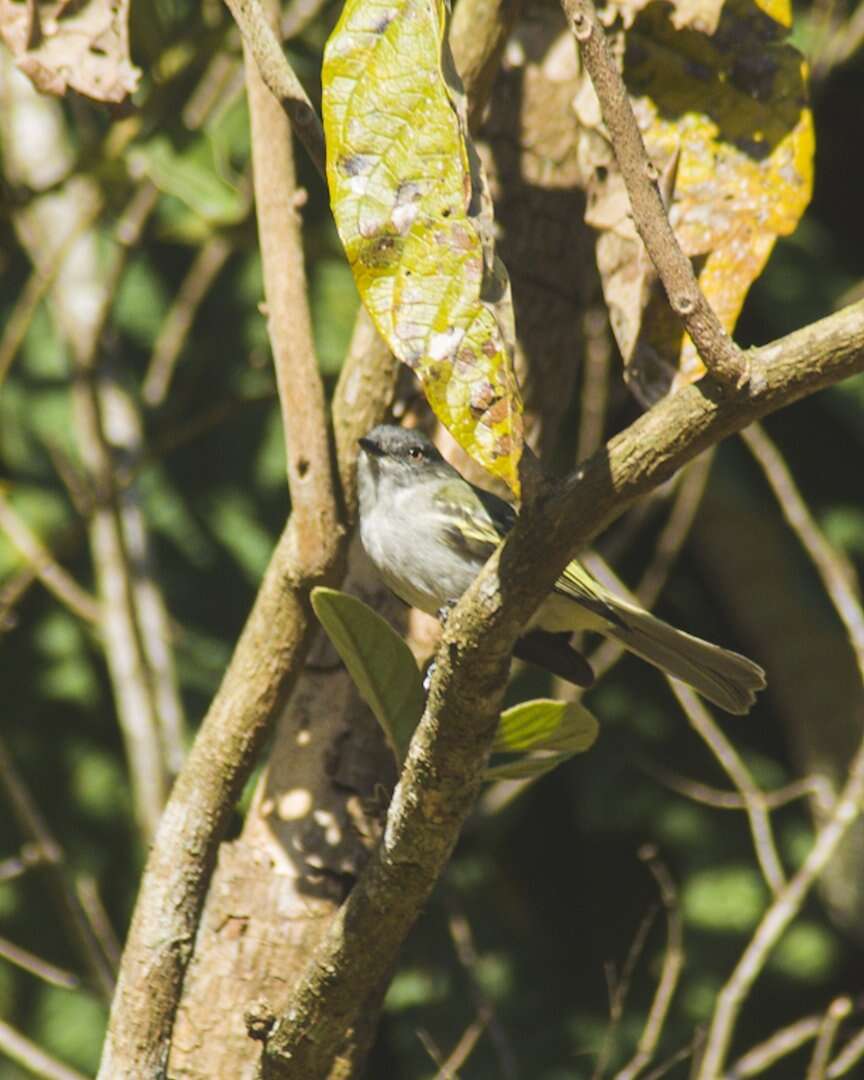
175	329
848	1057
301	392
785	1041
276	73
466	952
460	1053
33	1058
87	891
34	828
38	285
595	381
619	988
116	523
45	567
35	965
779	915
733	800
754	800
673	964
28	858
297	16
838	577
718	352
834	1016
12	591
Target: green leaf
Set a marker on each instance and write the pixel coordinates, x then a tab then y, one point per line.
545	724
191	176
530	767
380	663
415	218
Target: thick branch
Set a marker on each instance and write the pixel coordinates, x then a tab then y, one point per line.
719	353
442	772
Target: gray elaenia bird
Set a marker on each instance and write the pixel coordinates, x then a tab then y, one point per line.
428	532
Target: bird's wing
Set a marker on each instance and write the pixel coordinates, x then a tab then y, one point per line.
474	522
577	584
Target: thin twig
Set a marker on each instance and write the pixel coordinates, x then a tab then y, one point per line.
779	915
848	1057
785	1041
37	287
33	1058
733	800
619	988
717	350
838	577
730	760
175	328
115	522
34	828
52	575
289	323
462	1050
28	858
260	38
596	367
12	591
834	1016
466	952
35	965
673	965
87	892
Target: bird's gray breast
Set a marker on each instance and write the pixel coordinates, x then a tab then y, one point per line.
405	536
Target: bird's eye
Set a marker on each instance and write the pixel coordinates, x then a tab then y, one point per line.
415	452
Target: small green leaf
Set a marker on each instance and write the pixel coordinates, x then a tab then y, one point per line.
545	724
380	663
529	767
191	176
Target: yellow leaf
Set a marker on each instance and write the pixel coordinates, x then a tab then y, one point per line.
729	114
414	216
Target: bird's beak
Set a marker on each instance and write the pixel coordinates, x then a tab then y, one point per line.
370	446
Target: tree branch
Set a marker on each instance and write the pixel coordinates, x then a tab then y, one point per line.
32	1057
260	39
718	351
443	769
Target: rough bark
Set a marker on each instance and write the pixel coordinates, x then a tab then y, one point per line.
317	810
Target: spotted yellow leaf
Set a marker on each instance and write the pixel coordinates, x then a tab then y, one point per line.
415	219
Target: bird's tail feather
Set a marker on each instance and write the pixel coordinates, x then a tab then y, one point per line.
725	678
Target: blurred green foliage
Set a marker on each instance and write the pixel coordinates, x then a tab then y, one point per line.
551	885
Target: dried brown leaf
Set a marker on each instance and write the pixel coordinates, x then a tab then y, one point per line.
72	46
